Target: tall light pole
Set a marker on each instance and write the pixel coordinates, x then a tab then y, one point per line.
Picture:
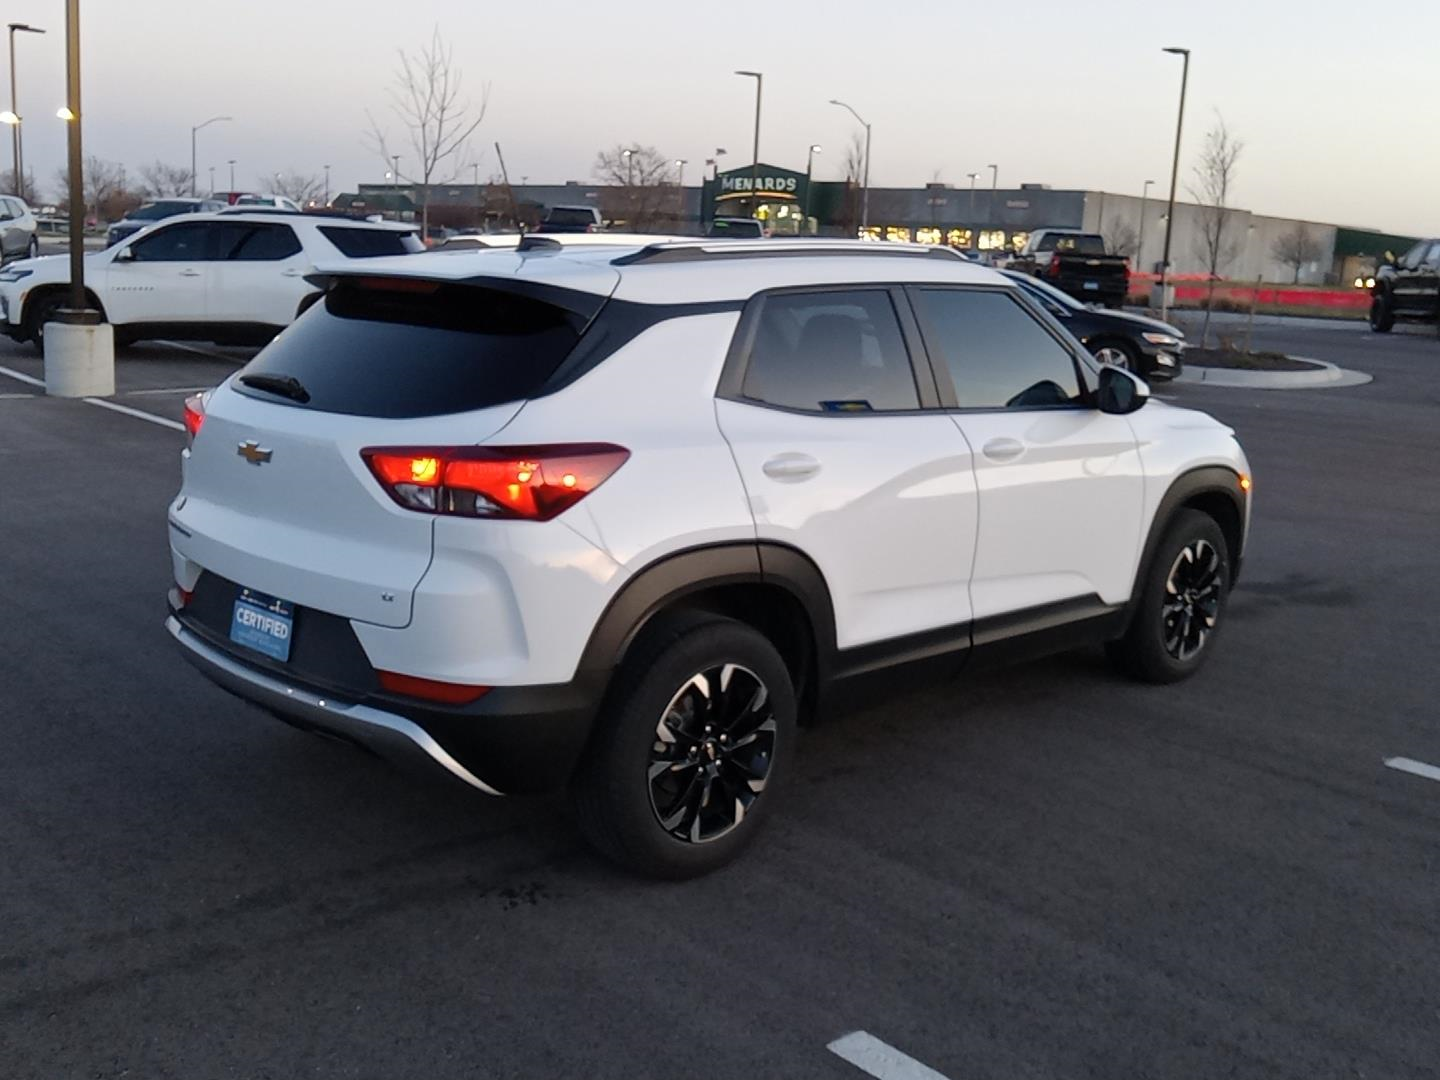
809	168
193	130
231	163
15	109
755	156
680	164
994	183
327	186
629	168
1140	243
865	181
1174	179
972	176
71	112
212	179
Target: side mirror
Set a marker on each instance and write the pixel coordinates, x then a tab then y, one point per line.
1121	391
1390	258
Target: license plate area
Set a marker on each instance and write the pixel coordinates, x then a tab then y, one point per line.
263	623
1092	285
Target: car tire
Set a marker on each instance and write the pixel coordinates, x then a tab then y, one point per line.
1181	603
1382	316
667	822
1119	352
41	310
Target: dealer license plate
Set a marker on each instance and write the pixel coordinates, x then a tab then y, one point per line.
263	623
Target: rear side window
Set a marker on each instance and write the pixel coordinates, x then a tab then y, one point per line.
998	356
406	348
371	243
838	352
243	242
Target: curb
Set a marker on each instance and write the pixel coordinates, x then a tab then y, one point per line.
1323	375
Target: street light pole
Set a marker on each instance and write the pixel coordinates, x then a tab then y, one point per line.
1174	179
213	120
865	181
231	163
809	168
77	183
680	164
972	176
212	179
755	156
17	142
994	182
1140	243
327	186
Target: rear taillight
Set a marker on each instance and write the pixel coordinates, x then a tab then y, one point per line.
430	689
194	417
532	483
1054	267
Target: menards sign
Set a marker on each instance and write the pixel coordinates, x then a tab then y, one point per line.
770	183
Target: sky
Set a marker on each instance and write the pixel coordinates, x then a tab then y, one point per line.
1330	102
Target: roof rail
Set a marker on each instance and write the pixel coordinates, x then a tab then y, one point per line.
702	250
533	242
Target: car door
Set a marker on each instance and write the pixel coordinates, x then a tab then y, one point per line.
259	274
160	276
1060	484
831	418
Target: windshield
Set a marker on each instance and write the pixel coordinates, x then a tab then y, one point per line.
570	215
157	210
1079	243
1045	291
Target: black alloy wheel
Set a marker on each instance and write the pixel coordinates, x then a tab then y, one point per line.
1192	599
1382	318
713	748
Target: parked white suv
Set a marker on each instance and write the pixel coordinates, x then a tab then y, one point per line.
223	277
621	518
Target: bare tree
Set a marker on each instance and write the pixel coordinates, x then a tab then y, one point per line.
161	181
426	99
1213	183
1121	238
1296	248
105	193
853	163
7	183
637	181
299	186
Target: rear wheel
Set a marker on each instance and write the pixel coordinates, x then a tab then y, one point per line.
1182	601
42	310
697	732
1382	315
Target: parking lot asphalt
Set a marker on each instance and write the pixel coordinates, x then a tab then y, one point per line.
1043	872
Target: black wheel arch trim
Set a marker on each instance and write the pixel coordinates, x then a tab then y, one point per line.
41	292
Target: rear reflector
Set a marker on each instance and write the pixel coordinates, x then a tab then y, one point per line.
194	416
431	689
530	483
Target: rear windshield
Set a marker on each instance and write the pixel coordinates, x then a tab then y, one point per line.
377	347
1081	245
569	215
720	227
371	243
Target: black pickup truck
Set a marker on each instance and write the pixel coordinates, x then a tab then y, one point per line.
1076	263
1407	288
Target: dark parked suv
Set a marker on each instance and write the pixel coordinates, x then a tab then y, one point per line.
1408	288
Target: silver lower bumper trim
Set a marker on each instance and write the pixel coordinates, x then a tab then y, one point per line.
391	736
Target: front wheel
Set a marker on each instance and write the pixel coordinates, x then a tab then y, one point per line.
42	310
1382	316
698	730
1121	354
1182	601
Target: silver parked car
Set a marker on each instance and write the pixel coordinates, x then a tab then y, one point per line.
17	229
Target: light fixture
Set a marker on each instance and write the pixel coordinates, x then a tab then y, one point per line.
8	117
63	113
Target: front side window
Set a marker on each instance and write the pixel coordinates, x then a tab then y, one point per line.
188	242
997	355
835	352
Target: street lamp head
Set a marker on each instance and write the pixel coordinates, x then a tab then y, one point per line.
815	149
64	113
749	74
8	117
24	28
1176	49
626	153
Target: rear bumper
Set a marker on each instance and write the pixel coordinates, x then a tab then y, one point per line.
514	739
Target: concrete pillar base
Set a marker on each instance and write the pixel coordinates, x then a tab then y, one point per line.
79	360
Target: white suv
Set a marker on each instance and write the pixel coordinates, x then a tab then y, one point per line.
224	277
621	518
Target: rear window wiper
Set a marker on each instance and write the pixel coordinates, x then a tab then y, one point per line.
285	385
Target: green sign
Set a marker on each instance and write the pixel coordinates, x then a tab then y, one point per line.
769	182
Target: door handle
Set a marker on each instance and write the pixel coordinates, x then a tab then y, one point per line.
289	273
1003	450
189	273
791	468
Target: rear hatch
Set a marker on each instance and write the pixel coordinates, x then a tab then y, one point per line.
276	495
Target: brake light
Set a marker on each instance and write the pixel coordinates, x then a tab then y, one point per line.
531	483
194	417
431	689
1054	267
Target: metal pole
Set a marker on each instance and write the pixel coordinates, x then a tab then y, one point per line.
212	179
1174	179
805	206
755	154
77	186
327	185
231	163
994	182
193	130
972	177
865	190
15	131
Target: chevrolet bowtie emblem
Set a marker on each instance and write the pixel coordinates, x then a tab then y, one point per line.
251	451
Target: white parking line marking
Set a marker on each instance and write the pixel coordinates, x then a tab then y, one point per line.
163	421
196	349
167	390
22	376
1415	768
12	397
880	1059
